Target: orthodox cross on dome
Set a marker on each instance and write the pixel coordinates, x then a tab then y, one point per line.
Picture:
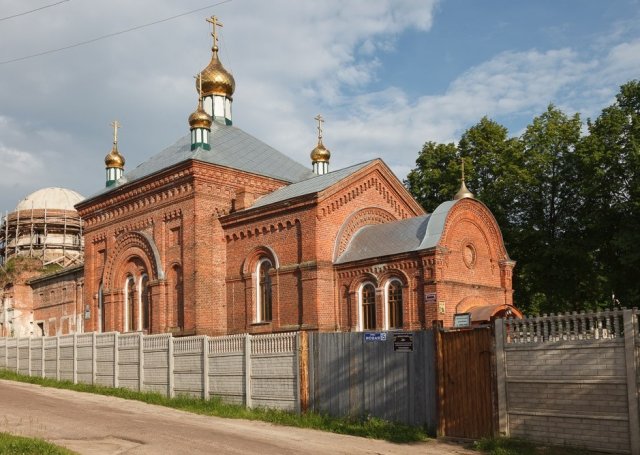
462	162
213	20
320	121
198	78
115	124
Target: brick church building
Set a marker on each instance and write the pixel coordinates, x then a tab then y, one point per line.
220	233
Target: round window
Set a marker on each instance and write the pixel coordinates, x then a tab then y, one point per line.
469	255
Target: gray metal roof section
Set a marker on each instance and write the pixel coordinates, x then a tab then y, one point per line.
230	147
308	186
397	237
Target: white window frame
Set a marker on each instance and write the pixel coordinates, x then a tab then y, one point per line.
387	309
361	303
259	315
126	301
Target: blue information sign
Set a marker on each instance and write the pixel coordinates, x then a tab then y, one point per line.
375	336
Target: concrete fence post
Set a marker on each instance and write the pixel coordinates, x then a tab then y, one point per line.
630	329
170	363
205	367
116	359
42	358
57	358
17	355
75	357
94	358
141	361
501	379
29	356
247	371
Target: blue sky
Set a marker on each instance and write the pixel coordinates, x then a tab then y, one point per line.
387	75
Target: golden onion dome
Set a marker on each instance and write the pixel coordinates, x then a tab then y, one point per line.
320	153
463	192
216	80
199	118
114	159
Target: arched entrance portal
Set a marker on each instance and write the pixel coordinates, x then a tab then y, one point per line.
133	281
136	308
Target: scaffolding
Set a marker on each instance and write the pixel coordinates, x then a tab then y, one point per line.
54	236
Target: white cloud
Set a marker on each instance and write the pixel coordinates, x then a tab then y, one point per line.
291	61
19	166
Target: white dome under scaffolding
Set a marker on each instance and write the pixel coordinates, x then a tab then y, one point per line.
45	225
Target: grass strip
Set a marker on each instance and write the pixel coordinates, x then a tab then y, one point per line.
19	445
515	446
368	427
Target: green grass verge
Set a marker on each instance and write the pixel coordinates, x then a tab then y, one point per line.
369	427
514	446
18	445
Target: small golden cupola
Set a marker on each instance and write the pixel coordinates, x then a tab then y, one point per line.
200	124
217	83
320	155
114	162
463	192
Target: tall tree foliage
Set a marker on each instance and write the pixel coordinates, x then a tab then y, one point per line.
568	205
611	172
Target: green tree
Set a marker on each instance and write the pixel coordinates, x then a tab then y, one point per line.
549	250
610	166
436	177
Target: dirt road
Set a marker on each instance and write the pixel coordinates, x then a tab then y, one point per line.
95	424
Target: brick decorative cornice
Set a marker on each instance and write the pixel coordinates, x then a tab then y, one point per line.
379	269
147	199
139	225
172	215
244	232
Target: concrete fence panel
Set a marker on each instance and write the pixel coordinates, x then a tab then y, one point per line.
3	353
188	366
565	380
156	363
129	361
274	371
84	358
227	368
23	356
66	359
105	359
37	357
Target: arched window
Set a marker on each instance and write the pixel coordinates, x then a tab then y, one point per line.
130	304
367	306
101	314
393	297
264	298
145	302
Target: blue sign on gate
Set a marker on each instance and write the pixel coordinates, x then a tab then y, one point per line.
375	336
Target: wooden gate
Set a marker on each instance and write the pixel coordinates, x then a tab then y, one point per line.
466	405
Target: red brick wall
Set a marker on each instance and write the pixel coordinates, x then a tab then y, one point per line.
303	237
178	210
58	302
190	215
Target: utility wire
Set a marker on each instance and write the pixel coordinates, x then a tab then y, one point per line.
110	35
32	11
